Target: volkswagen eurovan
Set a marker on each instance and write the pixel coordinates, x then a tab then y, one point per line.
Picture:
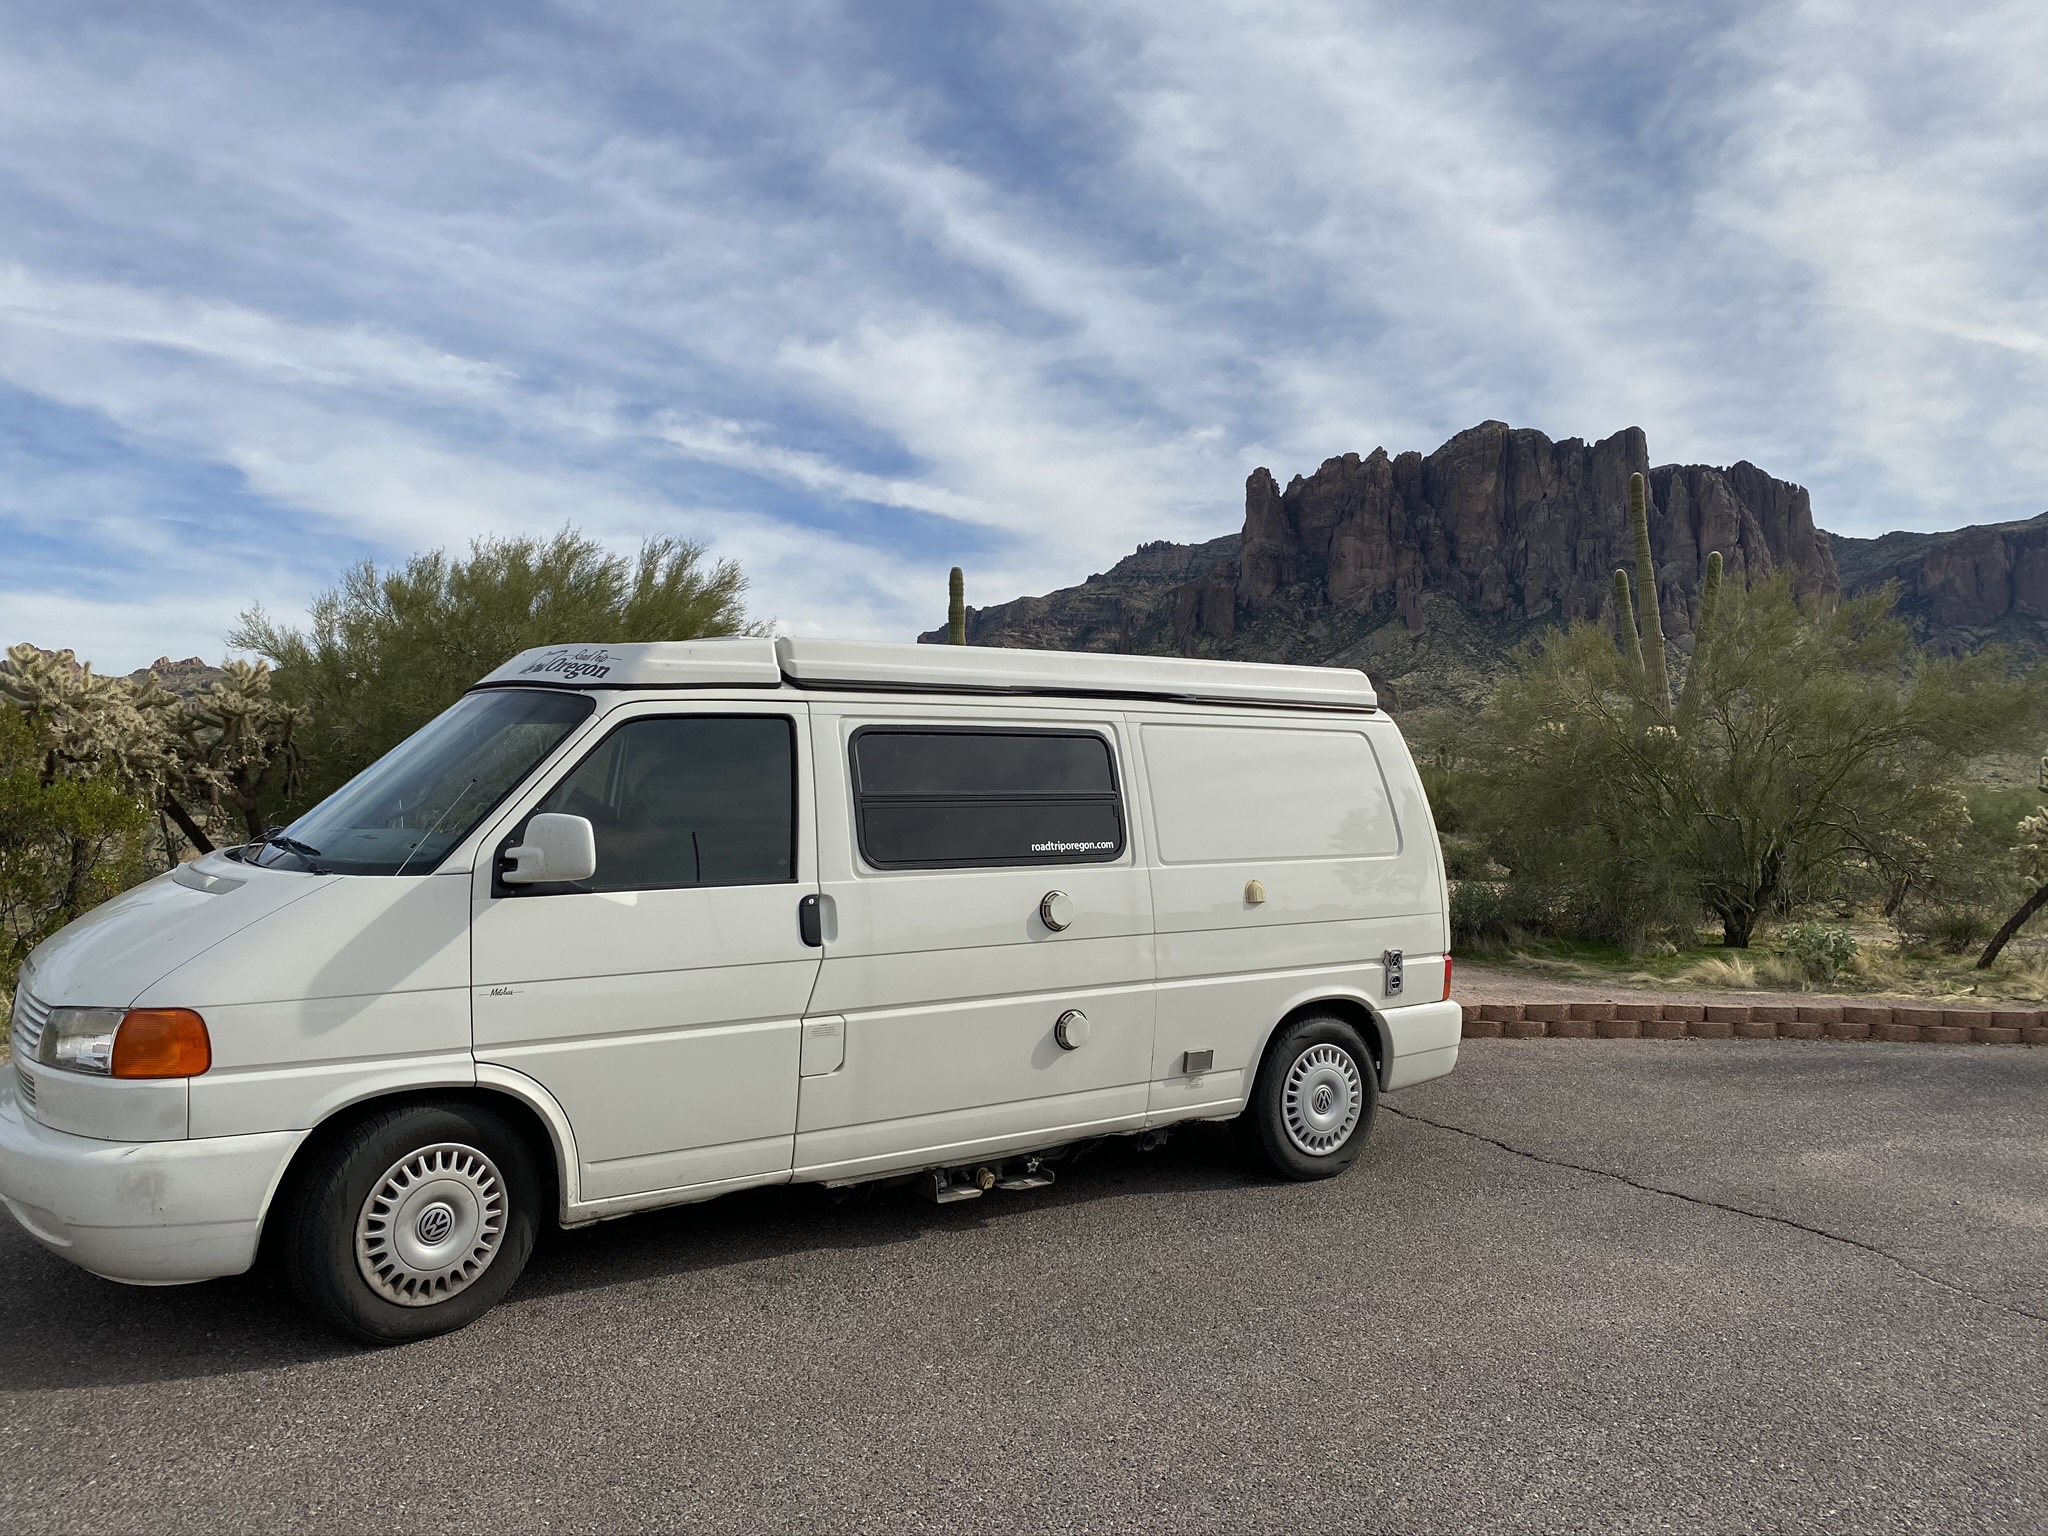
635	925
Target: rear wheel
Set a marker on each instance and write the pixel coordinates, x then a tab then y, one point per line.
414	1223
1311	1108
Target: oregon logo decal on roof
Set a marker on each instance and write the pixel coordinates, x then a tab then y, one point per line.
571	661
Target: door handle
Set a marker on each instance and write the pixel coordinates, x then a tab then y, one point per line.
810	922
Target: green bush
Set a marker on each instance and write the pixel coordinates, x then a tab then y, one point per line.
1824	952
1815	746
66	844
1478	913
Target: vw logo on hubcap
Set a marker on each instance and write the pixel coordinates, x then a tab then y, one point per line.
435	1223
1323	1099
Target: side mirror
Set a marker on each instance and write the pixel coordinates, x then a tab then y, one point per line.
557	847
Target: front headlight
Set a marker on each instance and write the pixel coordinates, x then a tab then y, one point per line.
80	1039
127	1042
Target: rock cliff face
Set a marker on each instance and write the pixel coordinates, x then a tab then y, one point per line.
1969	587
1425	567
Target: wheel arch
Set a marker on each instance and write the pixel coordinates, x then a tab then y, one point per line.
1351	1008
525	1105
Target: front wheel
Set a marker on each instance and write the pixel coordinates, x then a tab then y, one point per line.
1311	1108
414	1223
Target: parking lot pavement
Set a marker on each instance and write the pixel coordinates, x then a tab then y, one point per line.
1577	1286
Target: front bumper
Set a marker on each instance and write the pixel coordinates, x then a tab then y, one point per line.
147	1213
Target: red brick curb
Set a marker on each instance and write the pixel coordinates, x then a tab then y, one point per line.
1757	1021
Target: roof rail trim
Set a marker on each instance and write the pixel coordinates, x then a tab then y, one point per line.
1054	691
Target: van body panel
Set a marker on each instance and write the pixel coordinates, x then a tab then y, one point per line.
350	936
1245	937
951	983
248	1100
666	1022
109	1109
988	1130
561	1134
111	955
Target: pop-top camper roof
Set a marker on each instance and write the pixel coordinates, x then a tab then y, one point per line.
760	662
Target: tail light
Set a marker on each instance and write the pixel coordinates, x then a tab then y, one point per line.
1447	978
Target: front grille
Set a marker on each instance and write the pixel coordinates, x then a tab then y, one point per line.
27	1083
30	1015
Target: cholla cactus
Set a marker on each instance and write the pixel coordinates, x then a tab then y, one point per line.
2032	847
234	744
91	727
200	761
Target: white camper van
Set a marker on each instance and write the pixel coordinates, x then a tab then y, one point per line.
635	925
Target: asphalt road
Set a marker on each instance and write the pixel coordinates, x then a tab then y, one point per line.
1641	1286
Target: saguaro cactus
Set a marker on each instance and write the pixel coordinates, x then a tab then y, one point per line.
1656	670
1625	617
1710	602
956	608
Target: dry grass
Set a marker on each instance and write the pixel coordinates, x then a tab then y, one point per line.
1781	972
1734	971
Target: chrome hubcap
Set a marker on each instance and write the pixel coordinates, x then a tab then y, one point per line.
431	1225
1322	1099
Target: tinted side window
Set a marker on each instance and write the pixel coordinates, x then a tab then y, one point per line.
928	798
688	800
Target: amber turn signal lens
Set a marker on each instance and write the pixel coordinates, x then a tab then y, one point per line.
161	1042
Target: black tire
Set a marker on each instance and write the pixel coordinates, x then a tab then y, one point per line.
1264	1127
424	1147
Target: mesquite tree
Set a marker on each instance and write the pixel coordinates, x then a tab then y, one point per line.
388	651
1807	741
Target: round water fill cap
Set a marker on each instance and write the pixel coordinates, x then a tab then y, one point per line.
1056	911
1071	1030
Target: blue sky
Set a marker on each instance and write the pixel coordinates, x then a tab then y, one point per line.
855	292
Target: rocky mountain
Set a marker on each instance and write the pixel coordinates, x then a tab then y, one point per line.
1986	584
184	678
1426	568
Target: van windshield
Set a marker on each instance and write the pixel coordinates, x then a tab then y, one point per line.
404	812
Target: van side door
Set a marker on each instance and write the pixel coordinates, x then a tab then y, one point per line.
983	882
661	1001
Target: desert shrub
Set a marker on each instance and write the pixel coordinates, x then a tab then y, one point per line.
1478	913
1808	743
1822	951
1950	926
67	843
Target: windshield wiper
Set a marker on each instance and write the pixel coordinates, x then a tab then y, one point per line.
275	838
